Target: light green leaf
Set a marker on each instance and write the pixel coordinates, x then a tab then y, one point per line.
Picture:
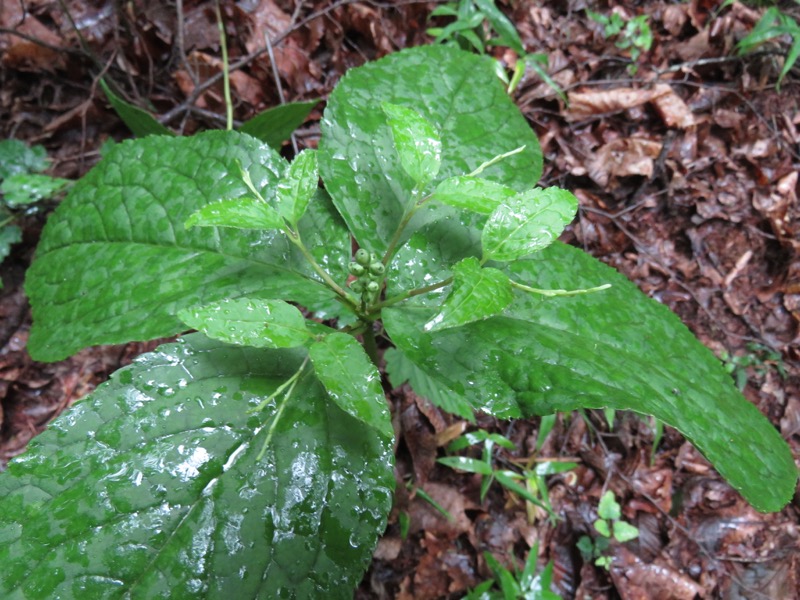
276	125
472	193
151	487
618	349
602	527
455	91
17	157
351	380
527	223
507	33
625	532
116	263
608	507
26	188
249	322
139	121
417	142
464	463
400	369
478	293
241	213
298	186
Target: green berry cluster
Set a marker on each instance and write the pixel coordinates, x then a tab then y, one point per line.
369	271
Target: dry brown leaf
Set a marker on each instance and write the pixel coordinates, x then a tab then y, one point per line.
637	580
674	18
622	158
19	53
586	104
426	518
671	107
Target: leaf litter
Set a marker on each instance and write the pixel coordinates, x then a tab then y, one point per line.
687	177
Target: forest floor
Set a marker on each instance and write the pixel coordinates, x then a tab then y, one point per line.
686	169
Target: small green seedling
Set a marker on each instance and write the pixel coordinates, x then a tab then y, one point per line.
758	357
635	35
774	24
478	25
22	185
525	585
611	527
254	457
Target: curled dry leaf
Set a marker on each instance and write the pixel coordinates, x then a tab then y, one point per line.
670	106
637	580
20	53
622	158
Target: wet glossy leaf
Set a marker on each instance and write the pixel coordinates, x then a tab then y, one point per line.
276	125
25	188
527	223
249	322
139	121
298	186
472	193
612	349
400	369
116	263
241	213
455	91
478	293
417	142
9	235
464	463
17	157
352	381
152	487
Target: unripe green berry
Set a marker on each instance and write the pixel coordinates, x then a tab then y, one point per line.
362	257
373	286
356	269
374	257
377	268
357	286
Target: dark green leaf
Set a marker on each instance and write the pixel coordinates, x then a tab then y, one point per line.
276	125
527	223
507	33
116	263
613	349
464	463
478	293
241	213
472	193
9	234
26	188
416	141
139	121
455	91
400	369
249	322
351	380
298	186
152	486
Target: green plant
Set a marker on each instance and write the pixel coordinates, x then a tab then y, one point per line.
761	358
527	585
774	24
610	526
255	456
635	35
529	484
22	185
479	24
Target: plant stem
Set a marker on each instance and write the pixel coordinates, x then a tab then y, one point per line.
295	239
226	80
411	293
370	343
554	293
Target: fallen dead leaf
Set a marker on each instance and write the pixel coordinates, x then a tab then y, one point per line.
622	158
637	580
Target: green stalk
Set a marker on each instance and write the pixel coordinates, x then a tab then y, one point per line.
410	294
371	344
226	80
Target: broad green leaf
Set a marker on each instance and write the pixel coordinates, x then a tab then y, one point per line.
20	189
139	121
472	193
298	186
241	213
351	380
625	532
116	263
17	157
400	369
478	293
455	91
416	141
276	125
612	349
527	223
608	507
249	322
152	488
